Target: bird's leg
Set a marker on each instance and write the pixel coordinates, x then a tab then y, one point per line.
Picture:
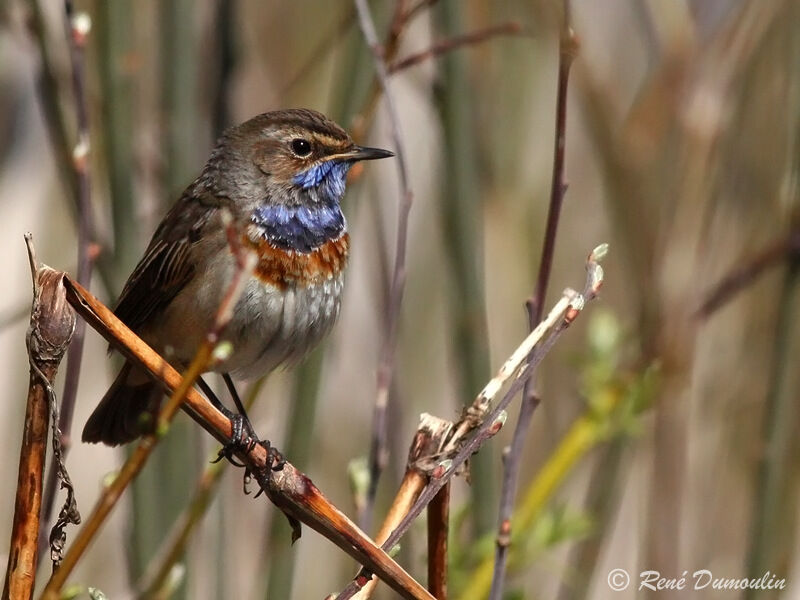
247	424
226	377
239	439
275	459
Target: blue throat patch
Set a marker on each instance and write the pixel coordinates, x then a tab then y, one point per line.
330	177
307	226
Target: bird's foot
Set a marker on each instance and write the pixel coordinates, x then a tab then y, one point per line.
243	439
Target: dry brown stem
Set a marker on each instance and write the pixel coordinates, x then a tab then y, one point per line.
427	443
438	529
51	328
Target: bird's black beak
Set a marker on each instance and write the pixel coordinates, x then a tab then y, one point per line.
365	153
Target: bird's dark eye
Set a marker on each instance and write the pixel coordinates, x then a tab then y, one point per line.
301	147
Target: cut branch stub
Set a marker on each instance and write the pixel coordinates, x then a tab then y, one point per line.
51	328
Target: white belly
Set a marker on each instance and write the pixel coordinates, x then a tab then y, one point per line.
270	326
273	326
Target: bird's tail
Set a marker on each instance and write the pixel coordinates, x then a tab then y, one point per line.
126	411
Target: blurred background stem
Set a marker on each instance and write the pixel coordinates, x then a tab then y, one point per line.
605	488
161	491
775	492
350	87
116	60
280	553
462	222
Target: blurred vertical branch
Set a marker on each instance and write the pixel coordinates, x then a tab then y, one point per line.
775	492
160	492
386	365
59	127
773	506
179	95
605	486
462	222
50	97
350	84
280	554
512	460
77	27
226	54
117	61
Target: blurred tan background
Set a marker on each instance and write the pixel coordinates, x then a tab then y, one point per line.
681	152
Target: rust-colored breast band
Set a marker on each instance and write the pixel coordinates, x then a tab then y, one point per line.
283	268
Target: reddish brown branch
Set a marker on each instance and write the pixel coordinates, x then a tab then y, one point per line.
456	42
289	489
51	329
745	274
428	441
438	529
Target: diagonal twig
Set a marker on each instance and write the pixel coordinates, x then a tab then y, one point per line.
479	423
454	43
745	273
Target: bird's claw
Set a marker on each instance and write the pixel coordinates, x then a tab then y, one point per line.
243	439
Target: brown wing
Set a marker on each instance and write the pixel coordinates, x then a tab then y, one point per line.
166	266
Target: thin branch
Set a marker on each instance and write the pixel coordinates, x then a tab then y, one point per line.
456	42
513	457
156	576
77	28
387	51
479	423
378	445
745	274
58	130
413	11
52	325
321	50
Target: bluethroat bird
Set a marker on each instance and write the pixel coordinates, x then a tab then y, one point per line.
282	177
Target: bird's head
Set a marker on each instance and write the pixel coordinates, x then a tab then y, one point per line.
290	157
